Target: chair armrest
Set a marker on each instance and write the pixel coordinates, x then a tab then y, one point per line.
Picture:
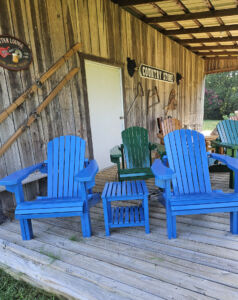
225	145
115	154
87	174
152	146
231	162
17	177
163	176
160	149
162	172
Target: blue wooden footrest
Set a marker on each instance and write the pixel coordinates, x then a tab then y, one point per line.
126	216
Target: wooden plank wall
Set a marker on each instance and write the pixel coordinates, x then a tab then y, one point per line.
215	65
50	28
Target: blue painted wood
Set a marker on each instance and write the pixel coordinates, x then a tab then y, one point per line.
188	172
137	214
191	157
231	162
125	216
121	215
19	176
70	181
188	168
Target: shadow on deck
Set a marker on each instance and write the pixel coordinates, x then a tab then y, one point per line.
202	263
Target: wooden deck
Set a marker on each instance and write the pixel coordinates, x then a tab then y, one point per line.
202	263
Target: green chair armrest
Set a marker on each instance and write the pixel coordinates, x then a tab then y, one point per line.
160	149
224	145
152	146
115	154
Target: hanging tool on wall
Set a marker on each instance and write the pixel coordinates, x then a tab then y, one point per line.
139	92
172	105
151	93
39	109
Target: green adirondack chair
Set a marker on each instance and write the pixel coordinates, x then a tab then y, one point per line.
133	157
228	140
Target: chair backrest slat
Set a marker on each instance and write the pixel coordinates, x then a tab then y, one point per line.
55	167
65	159
228	131
168	125
234	129
50	169
198	161
61	166
136	147
192	183
186	151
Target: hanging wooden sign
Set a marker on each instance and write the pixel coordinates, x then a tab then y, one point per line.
14	54
156	74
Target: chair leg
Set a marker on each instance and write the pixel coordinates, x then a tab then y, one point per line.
26	229
107	215
234	222
146	214
171	224
86	224
174	234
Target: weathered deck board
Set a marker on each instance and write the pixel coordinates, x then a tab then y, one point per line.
202	263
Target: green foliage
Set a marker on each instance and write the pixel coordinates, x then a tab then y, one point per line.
227	117
221	95
12	289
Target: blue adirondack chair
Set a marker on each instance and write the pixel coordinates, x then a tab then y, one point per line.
188	171
69	186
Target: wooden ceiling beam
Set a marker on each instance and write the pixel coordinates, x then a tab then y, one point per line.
182	6
219	19
193	16
134	2
208	40
200	30
216	53
218	47
209	4
186	11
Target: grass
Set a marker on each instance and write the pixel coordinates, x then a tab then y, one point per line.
209	124
74	238
50	255
12	289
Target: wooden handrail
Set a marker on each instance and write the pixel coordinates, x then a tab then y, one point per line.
39	82
39	109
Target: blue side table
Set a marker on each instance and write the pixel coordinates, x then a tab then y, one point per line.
125	216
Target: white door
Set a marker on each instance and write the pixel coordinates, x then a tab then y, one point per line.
105	99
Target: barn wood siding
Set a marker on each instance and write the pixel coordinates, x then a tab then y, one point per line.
215	65
50	28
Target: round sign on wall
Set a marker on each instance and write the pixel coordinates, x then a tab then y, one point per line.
14	54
